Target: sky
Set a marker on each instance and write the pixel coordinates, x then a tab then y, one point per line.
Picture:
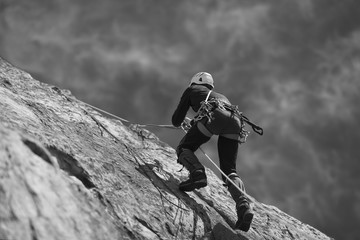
291	66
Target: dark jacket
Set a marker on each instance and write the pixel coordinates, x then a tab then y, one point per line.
192	97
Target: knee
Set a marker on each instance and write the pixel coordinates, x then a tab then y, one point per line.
180	150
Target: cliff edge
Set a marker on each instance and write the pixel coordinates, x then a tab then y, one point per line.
68	172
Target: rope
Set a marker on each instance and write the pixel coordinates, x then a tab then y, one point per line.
156	125
127	121
103	111
128	148
136	156
167	126
208	95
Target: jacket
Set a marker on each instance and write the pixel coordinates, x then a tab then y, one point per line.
192	97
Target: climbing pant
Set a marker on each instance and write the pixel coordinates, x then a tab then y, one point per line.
185	151
228	151
188	159
192	140
238	197
197	177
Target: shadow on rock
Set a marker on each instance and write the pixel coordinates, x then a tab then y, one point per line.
171	186
220	231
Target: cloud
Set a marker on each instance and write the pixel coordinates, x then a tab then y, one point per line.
338	88
306	8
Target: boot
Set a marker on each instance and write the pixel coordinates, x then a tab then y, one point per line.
197	178
245	216
243	209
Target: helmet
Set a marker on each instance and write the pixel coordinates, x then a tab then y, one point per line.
202	78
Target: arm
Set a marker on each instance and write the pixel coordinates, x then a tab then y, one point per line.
182	108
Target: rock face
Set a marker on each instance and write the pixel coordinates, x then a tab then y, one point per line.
67	172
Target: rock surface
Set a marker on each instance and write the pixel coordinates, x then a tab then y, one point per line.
68	172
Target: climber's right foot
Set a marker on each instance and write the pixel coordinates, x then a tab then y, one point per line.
245	217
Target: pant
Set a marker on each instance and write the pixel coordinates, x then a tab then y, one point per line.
224	124
228	127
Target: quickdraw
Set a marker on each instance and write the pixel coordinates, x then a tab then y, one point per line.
208	106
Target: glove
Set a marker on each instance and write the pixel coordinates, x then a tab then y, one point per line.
187	123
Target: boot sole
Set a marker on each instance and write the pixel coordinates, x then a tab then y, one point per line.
193	186
244	225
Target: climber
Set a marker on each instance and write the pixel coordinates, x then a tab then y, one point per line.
220	120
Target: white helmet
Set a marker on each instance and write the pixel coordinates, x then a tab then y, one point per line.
202	78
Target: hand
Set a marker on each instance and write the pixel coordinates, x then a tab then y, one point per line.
187	123
190	121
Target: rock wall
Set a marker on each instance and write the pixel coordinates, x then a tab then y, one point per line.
68	172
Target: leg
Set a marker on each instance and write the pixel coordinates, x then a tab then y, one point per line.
228	150
243	209
188	145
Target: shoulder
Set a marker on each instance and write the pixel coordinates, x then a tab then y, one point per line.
187	92
219	96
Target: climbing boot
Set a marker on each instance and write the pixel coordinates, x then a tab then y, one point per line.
245	216
197	179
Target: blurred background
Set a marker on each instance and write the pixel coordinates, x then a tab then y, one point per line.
293	67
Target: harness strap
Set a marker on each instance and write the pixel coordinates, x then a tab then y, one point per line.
208	95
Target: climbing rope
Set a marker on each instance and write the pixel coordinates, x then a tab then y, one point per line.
184	127
127	121
130	150
103	111
136	156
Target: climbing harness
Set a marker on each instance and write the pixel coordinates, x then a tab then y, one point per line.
207	108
